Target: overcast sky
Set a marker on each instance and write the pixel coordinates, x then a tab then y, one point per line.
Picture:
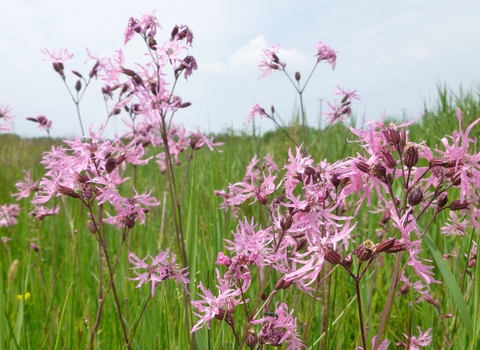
394	53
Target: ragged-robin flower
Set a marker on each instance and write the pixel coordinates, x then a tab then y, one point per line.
25	187
271	61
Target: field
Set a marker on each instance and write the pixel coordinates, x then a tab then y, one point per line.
52	269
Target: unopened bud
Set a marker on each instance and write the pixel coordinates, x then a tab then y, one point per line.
286	221
411	157
184	105
392	135
130	222
333	257
385	245
404	289
128	72
457	178
261	197
91	226
386	216
442	200
110	165
77	74
457	205
365	250
282	284
389	160
472	262
252	339
78	85
415	197
362	166
152	43
335	181
380	172
297	76
273	110
301	243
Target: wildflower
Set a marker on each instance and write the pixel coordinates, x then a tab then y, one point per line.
256	110
25	187
9	214
5	118
59	56
40	212
43	122
325	53
279	328
271	61
23	296
423	339
159	270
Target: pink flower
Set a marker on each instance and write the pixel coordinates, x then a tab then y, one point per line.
9	214
57	57
325	53
5	118
40	212
256	110
43	122
423	339
158	270
24	188
271	61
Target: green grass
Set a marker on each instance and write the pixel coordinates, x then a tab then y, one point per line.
62	278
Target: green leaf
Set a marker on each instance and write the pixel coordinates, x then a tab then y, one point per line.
451	284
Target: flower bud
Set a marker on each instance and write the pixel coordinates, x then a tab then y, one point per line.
110	165
392	135
301	243
411	157
415	197
442	200
91	226
297	76
380	172
457	205
333	257
457	178
286	221
77	74
334	180
385	245
386	216
362	166
404	289
252	339
365	250
78	85
389	160
273	110
226	316
282	284
472	262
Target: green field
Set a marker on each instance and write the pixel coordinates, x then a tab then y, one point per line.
62	277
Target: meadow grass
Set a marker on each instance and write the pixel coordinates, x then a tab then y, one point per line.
62	277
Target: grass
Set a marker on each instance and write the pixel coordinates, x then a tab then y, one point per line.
62	278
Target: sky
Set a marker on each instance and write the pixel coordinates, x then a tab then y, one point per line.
393	53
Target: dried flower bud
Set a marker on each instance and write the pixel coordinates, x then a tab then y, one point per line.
152	43
362	166
333	257
389	160
78	85
415	197
411	157
252	339
385	245
457	205
297	76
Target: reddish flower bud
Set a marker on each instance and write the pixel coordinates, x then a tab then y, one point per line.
184	104
252	339
404	289
91	226
411	157
386	216
273	110
301	243
333	257
392	135
297	76
335	181
380	172
389	160
282	284
78	85
415	197
286	222
457	178
457	205
365	250
385	245
362	166
110	165
442	200
472	262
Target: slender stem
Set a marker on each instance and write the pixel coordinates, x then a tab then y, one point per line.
360	314
132	333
